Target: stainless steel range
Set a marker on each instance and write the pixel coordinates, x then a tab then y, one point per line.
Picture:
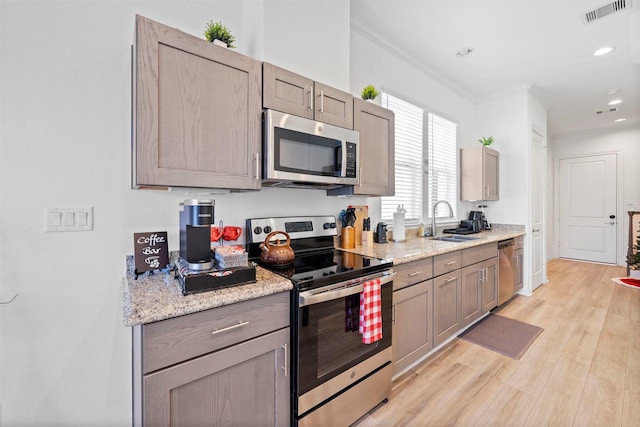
336	378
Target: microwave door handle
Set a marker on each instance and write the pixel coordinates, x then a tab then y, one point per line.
318	295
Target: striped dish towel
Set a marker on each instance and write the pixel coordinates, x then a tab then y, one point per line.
371	312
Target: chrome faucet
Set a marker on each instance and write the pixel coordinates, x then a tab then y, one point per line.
433	215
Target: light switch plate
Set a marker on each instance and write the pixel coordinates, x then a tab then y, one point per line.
68	219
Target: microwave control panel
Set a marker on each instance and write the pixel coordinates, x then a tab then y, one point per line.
351	160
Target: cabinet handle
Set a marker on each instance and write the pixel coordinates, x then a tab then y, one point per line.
257	165
311	98
322	101
452	263
228	328
393	316
285	367
414	273
450	279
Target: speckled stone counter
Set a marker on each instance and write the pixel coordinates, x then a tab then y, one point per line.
156	297
415	248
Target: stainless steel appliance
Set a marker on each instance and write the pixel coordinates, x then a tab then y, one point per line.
335	377
196	217
506	276
298	152
481	218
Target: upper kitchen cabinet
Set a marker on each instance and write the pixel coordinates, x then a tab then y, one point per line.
479	170
292	93
376	126
197	112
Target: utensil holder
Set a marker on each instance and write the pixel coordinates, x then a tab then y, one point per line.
348	237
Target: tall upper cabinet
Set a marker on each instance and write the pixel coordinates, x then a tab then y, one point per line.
292	93
377	151
197	112
479	170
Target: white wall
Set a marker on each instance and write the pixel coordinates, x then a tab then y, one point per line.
624	140
65	142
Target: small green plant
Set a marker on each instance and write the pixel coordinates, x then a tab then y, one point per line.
486	141
369	92
633	257
218	31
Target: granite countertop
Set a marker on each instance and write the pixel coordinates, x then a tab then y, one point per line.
415	248
156	297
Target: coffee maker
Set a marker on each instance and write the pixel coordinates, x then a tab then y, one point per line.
479	218
196	217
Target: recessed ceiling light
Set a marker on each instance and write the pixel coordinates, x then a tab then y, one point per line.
620	120
603	51
615	102
464	52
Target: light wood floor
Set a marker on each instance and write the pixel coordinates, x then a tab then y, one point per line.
583	370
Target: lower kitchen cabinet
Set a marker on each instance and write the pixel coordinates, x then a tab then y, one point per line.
447	316
223	366
479	290
489	285
412	324
244	385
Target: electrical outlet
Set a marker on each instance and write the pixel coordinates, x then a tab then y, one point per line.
68	219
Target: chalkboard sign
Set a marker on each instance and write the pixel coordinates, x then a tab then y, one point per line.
151	251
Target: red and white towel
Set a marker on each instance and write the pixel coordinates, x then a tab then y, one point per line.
371	312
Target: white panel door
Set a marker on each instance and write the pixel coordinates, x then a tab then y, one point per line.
588	208
538	265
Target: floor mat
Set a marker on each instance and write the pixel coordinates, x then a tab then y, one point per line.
627	281
506	336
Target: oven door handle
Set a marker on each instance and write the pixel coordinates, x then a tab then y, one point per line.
343	289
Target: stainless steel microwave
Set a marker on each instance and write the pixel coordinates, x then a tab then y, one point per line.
302	153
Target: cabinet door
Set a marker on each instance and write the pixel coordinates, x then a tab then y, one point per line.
198	112
490	166
412	324
470	294
446	306
377	149
246	384
489	285
286	91
333	106
517	268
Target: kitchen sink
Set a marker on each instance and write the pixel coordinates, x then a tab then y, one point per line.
454	238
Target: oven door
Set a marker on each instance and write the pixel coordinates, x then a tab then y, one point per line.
328	338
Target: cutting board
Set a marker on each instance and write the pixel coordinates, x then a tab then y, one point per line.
362	212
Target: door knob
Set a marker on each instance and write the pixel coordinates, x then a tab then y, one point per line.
612	216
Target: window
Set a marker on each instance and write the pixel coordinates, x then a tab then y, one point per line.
425	172
442	173
408	168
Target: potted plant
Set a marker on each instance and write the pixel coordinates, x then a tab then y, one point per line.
633	258
369	93
217	31
486	141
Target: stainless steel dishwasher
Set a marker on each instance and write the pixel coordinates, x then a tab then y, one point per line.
506	284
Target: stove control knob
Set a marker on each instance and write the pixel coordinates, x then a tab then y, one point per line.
332	225
326	225
267	229
257	230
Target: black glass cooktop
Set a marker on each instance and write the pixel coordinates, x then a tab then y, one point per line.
320	268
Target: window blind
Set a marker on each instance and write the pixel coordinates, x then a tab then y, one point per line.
442	164
408	163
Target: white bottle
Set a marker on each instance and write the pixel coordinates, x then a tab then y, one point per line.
398	224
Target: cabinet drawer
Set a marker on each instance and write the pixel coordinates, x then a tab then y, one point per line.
174	340
479	253
412	272
446	262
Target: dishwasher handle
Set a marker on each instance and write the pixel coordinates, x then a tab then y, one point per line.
506	243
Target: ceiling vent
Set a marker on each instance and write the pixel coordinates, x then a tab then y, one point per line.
607	9
609	110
